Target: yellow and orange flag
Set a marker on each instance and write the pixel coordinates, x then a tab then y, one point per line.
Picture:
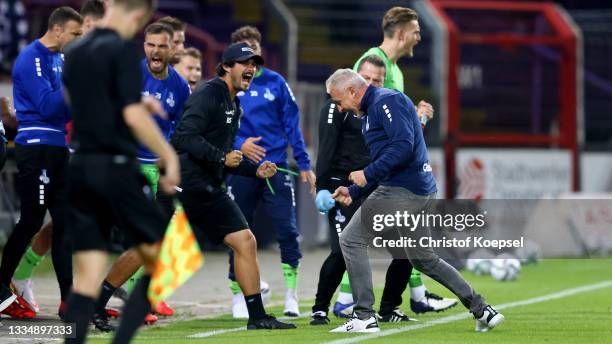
179	258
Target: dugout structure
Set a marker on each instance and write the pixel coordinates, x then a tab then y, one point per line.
508	76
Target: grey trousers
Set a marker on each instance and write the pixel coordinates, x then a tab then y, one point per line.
356	238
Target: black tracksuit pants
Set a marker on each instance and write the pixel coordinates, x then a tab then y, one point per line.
41	186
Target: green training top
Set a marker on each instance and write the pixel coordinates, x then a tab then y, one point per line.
394	77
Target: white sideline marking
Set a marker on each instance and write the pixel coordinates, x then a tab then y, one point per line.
216	332
236	329
461	316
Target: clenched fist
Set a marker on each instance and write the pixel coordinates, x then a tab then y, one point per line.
266	170
233	158
358	178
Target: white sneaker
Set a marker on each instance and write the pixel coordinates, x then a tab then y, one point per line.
239	307
431	303
489	319
24	288
292	308
359	326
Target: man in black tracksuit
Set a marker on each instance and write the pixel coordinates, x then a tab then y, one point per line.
204	139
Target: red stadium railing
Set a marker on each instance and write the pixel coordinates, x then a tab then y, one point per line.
559	36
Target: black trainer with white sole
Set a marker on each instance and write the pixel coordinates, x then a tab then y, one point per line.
319	318
489	318
395	316
269	322
102	322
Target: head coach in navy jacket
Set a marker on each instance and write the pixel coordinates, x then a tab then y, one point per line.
399	172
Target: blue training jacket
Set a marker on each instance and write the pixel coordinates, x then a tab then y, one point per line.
172	92
270	111
37	94
392	131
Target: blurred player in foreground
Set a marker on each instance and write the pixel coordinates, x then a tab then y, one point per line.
103	81
163	83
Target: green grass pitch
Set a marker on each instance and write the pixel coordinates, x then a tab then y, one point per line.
572	317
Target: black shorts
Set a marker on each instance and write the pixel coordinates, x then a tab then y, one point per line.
212	216
107	191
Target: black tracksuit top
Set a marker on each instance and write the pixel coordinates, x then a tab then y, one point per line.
205	134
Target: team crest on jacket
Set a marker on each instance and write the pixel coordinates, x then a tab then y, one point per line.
268	95
339	217
170	100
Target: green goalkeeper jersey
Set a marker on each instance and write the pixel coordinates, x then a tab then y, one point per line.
394	78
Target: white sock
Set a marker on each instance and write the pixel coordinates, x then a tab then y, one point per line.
345	298
238	298
418	293
291	293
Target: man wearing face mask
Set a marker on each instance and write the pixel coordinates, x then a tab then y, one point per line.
401	34
204	139
41	152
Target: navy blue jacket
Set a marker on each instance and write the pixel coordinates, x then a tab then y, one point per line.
393	134
39	102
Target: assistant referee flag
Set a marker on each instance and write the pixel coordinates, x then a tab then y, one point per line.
179	258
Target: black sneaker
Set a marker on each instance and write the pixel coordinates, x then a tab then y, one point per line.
268	322
395	316
102	322
319	318
6	297
488	319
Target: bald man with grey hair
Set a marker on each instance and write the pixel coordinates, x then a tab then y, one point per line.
400	174
343	78
346	88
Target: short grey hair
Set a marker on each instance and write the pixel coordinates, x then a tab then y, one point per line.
342	79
